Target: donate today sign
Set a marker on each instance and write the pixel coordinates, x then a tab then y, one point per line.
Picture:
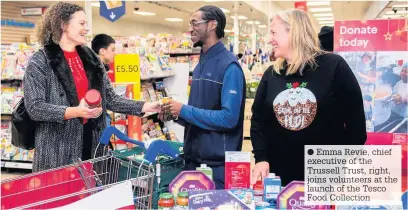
371	35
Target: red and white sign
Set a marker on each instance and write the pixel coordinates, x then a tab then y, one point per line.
302	5
371	35
33	11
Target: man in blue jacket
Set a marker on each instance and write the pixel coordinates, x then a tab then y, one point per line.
213	118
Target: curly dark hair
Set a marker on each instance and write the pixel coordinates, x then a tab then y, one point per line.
49	28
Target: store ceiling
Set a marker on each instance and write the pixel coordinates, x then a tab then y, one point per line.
341	10
182	10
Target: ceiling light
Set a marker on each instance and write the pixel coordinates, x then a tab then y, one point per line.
144	13
320	9
325	18
262	26
398	12
326	22
174	19
323	14
224	10
401	5
240	17
95	4
318	3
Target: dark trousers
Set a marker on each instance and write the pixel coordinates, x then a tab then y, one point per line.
87	141
218	173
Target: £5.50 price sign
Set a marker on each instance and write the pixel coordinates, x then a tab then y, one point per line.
127	70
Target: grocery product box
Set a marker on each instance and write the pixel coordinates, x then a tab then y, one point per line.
222	199
237	170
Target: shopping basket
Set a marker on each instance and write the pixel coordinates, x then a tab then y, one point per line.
65	185
167	167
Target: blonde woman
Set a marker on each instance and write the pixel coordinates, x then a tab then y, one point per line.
308	97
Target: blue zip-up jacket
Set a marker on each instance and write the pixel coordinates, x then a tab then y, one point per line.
213	118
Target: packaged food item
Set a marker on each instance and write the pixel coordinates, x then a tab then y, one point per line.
93	99
237	170
293	197
206	170
166	201
258	191
272	187
191	181
165	101
241	199
182	200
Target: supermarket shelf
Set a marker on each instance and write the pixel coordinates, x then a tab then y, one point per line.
183	54
158	76
17	164
10	80
148	114
5	116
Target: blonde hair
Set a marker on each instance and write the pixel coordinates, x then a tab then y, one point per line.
303	38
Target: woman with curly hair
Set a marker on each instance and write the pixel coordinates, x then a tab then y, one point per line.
55	83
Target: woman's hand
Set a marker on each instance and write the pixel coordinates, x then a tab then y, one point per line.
87	113
151	107
261	169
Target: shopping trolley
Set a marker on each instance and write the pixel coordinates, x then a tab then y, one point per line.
65	185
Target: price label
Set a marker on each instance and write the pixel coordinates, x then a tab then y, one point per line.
127	68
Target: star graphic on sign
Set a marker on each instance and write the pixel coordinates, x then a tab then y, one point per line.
398	32
388	36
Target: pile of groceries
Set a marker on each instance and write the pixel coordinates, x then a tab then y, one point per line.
151	176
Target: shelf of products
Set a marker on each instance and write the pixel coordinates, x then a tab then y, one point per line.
14	60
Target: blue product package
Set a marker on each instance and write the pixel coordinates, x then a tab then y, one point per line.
272	187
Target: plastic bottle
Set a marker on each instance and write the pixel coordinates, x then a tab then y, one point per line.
206	170
272	187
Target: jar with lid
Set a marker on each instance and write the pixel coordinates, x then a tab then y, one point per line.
182	200
93	99
166	201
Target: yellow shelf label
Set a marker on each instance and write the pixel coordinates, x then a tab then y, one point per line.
127	68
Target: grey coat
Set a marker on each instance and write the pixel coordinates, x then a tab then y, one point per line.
49	89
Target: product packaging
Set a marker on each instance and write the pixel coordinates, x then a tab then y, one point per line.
164	102
207	170
272	187
237	170
93	99
191	181
258	191
292	197
238	199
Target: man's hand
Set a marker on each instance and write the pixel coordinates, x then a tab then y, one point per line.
261	169
175	108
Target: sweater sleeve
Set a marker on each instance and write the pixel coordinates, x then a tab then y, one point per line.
231	101
35	91
257	121
348	90
120	104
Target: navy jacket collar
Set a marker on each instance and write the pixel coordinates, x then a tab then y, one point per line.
214	50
